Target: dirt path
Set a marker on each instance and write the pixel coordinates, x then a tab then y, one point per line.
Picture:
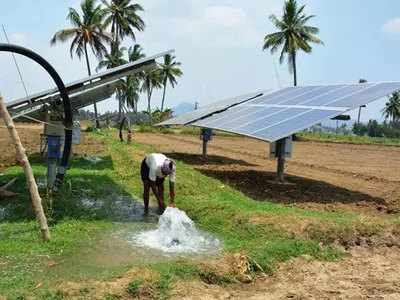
321	175
365	274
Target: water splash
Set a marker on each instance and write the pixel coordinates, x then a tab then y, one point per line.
92	159
176	233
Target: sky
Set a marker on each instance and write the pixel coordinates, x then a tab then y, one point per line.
219	44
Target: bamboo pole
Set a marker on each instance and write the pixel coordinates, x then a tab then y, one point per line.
24	162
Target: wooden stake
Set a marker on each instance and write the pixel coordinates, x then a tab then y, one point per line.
24	162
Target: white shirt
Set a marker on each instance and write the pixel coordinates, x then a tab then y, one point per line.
155	161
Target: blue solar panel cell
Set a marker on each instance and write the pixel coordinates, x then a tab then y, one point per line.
286	127
297	96
209	109
366	95
274	97
259	115
275	115
335	94
235	113
310	95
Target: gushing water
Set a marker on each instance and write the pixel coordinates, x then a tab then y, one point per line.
176	233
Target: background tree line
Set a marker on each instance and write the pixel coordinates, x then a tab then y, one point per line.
101	27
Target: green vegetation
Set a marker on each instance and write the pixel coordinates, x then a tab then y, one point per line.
262	231
121	19
88	30
133	287
294	35
392	108
352	139
170	70
374	129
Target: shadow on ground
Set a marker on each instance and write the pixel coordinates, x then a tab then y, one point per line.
262	185
195	159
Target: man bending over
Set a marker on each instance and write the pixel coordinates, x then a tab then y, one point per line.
155	167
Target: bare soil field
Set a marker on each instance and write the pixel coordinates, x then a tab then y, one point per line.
365	274
30	138
324	176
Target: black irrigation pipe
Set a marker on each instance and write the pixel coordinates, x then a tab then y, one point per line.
65	99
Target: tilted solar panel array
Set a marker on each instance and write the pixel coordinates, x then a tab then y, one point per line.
279	114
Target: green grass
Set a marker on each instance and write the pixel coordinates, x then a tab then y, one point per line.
133	287
214	206
352	139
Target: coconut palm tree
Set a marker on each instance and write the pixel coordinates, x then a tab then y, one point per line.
129	88
392	108
87	31
112	60
132	83
123	18
169	71
131	91
294	34
135	53
151	80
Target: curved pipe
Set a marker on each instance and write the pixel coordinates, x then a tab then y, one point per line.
64	96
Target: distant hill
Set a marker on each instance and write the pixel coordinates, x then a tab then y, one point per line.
182	108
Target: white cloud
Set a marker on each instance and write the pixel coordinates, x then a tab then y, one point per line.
217	26
225	16
392	26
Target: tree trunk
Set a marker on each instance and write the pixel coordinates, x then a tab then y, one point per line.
90	74
24	162
294	69
150	91
119	109
163	98
114	37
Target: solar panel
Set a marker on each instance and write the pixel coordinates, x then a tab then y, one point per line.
210	109
279	114
99	80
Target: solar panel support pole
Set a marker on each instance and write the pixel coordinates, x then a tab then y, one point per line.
205	149
206	136
280	152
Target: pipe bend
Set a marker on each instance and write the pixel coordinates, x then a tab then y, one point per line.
63	94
